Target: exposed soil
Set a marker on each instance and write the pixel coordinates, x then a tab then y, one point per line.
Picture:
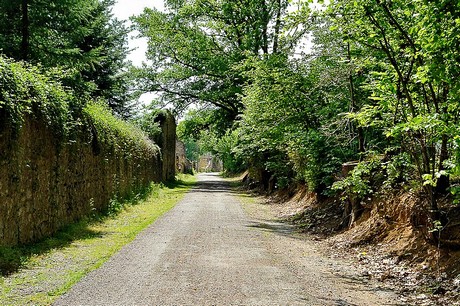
386	244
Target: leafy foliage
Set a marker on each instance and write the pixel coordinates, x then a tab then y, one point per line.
24	90
287	113
146	121
80	37
118	134
411	72
359	182
209	131
196	46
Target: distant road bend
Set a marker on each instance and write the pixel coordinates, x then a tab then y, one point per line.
208	251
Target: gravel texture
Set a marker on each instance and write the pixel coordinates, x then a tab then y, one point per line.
209	251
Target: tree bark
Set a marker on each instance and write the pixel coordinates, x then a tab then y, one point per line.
353	104
277	28
265	21
443	183
352	208
25	31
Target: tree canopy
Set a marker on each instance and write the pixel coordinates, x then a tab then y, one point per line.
377	84
196	47
80	37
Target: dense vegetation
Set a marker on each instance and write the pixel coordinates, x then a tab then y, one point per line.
294	89
63	63
28	93
79	40
291	90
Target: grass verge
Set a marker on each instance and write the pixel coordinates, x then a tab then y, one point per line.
49	268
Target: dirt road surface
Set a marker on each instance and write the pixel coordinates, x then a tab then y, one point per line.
208	251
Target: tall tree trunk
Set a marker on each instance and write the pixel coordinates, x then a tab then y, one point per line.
277	27
25	30
443	183
353	104
265	20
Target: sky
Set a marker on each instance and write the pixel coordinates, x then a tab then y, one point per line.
123	9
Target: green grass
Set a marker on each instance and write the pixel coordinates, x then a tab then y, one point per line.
49	268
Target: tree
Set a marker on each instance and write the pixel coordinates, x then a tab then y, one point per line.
196	47
79	36
290	106
110	71
412	51
210	131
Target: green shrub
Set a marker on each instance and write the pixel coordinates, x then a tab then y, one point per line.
10	260
359	182
26	90
147	122
118	134
316	158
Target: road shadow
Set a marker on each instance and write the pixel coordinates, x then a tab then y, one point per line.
13	258
276	227
212	183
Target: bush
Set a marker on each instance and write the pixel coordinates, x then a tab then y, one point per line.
26	90
119	134
10	260
316	158
359	182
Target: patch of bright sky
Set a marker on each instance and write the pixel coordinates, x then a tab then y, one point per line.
305	45
122	10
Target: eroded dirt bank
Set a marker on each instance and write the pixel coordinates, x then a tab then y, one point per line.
384	245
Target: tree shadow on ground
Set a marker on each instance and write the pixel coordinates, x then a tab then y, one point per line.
276	227
213	184
15	257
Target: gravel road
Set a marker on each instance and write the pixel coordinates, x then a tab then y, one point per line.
208	251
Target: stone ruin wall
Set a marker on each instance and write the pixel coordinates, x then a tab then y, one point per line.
46	184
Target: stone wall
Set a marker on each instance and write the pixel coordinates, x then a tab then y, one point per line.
209	163
47	182
167	143
183	165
